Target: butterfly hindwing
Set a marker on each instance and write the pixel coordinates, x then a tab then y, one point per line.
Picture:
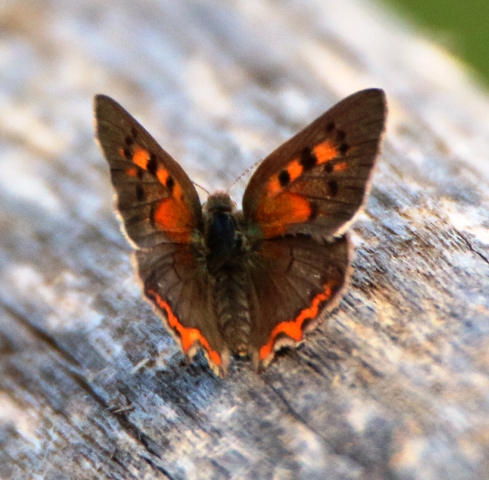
155	198
317	181
295	280
181	294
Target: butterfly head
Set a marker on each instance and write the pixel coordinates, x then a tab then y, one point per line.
219	202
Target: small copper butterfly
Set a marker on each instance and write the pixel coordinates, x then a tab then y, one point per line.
247	282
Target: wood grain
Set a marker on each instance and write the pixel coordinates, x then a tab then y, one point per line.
395	382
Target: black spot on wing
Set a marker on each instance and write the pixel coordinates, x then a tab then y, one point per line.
308	158
152	166
333	188
344	147
314	211
139	193
284	178
170	183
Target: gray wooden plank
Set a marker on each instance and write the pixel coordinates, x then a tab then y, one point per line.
393	385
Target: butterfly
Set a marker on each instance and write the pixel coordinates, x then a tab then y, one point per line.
245	282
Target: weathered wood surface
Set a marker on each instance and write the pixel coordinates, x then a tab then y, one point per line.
395	384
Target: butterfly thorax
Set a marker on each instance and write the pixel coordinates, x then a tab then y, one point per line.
226	259
222	232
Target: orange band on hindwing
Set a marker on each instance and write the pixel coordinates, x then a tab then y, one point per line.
188	336
294	328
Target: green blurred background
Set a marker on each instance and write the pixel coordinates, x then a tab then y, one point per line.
460	26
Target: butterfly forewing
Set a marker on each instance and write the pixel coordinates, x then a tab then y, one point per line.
317	181
156	199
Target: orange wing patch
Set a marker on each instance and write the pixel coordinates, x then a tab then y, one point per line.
278	208
175	219
188	336
293	170
276	213
309	158
140	157
325	152
172	214
162	175
294	328
340	167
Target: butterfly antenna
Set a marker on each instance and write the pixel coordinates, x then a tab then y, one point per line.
243	174
202	188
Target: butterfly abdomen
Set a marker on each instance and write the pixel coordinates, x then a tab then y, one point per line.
232	309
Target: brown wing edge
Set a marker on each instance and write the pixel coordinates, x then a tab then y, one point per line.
368	184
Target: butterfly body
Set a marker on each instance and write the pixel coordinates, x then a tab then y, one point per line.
228	255
245	283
